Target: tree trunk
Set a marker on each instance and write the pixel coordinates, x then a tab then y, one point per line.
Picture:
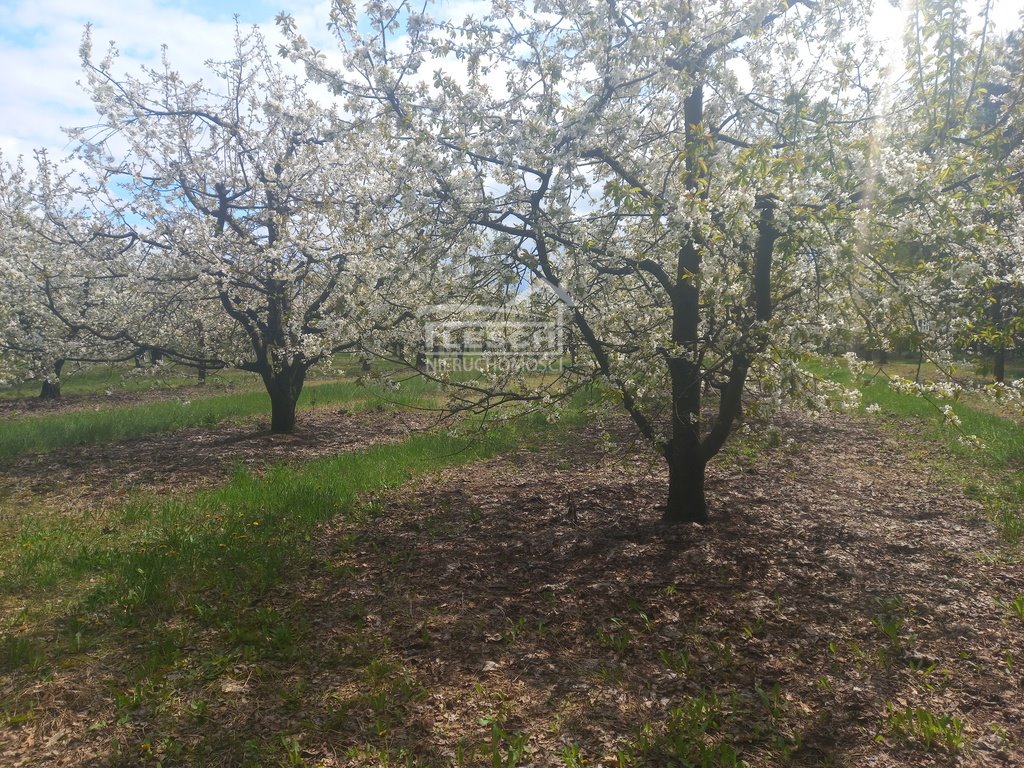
999	324
201	377
284	388
686	501
687	453
51	387
999	365
683	451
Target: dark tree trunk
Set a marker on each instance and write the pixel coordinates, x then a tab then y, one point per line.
284	388
999	365
686	501
687	453
683	452
51	387
995	312
201	376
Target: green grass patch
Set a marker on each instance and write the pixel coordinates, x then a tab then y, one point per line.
229	543
38	434
975	371
233	540
922	729
1003	438
180	594
98	379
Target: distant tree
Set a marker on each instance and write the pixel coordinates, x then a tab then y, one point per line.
59	307
265	227
954	161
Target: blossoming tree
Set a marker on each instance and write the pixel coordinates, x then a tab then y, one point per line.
954	161
61	304
262	223
677	172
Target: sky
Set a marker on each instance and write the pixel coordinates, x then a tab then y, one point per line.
39	41
40	65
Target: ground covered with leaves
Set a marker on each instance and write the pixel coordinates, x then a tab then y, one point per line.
845	607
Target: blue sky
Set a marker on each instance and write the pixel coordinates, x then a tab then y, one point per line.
39	41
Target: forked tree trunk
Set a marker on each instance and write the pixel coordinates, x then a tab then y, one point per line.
684	453
687	453
284	388
51	387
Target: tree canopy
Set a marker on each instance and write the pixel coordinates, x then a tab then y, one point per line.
711	191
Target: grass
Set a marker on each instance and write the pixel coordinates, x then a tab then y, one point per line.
177	593
156	556
98	379
233	627
124	377
1003	438
977	371
38	434
233	540
710	731
991	472
921	728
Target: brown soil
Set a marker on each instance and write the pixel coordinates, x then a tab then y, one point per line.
837	583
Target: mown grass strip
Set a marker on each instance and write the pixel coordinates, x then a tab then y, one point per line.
230	543
991	473
1002	437
97	379
38	434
